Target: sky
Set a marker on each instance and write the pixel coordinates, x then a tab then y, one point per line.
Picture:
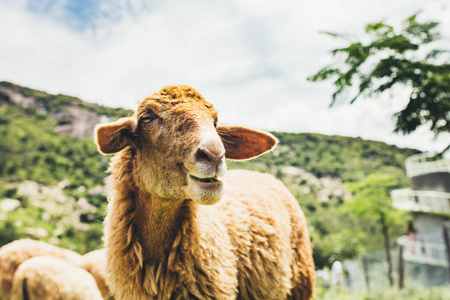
250	58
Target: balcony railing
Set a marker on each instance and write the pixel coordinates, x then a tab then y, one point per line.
421	164
423	252
421	201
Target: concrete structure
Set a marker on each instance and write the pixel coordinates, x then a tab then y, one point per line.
429	201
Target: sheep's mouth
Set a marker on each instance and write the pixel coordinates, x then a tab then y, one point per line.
206	180
205	190
207	183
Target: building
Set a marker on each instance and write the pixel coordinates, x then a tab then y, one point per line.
428	199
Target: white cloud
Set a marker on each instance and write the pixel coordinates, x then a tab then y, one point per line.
249	58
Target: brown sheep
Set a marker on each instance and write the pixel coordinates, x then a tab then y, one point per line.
164	237
15	253
50	278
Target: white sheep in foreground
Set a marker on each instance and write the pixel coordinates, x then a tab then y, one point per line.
50	278
95	263
15	253
164	237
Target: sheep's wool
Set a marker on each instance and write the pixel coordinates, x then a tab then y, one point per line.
161	244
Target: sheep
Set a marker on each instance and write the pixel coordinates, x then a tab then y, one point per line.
15	253
166	233
46	277
95	263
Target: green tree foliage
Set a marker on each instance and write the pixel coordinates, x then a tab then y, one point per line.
344	244
31	150
393	57
372	201
350	159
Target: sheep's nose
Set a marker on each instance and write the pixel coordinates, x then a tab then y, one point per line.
209	155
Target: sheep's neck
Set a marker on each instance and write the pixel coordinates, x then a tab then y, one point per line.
158	222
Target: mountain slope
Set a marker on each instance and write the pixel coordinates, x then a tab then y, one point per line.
47	143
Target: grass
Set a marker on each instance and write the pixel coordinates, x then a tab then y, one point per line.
410	293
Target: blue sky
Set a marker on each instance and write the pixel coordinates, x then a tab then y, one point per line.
249	58
79	15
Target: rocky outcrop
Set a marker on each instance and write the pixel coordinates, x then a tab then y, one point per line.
325	188
82	122
73	118
55	204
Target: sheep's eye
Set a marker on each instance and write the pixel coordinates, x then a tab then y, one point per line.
147	118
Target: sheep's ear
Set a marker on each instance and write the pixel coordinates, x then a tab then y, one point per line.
244	143
113	137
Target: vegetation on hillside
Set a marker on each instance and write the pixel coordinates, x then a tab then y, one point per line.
314	167
350	159
57	103
31	150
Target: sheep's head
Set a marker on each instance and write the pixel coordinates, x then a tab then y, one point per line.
179	148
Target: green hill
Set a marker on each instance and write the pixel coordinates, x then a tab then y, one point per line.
47	143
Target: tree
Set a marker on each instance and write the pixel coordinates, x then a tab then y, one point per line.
393	58
343	244
372	200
